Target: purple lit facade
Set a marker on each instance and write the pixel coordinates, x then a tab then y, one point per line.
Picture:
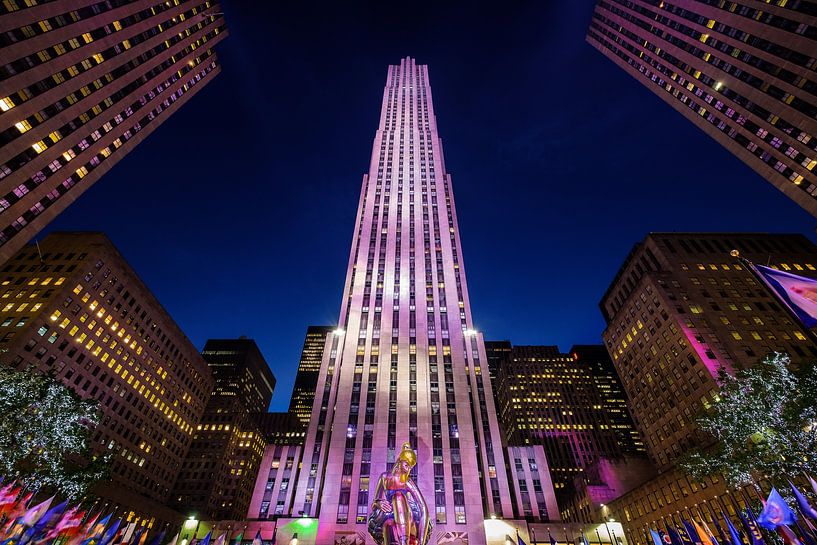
405	363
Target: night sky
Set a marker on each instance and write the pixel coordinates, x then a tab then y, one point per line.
239	211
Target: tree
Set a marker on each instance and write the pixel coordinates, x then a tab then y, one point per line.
44	434
764	423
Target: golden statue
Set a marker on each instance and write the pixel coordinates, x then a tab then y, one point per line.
399	514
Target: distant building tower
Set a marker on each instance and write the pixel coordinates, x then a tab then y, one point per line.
74	308
741	72
84	83
219	474
568	403
309	367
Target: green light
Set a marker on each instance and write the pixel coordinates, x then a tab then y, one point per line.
306	522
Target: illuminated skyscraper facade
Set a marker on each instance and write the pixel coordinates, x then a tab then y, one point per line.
81	84
405	363
309	367
73	307
219	473
743	72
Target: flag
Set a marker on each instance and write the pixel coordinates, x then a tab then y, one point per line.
776	512
257	539
174	540
206	540
135	536
691	532
797	292
656	537
551	539
787	535
8	497
110	533
158	539
733	532
755	536
221	538
703	534
813	483
35	513
674	536
240	537
805	507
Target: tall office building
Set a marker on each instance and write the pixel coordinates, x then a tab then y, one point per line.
743	72
74	307
82	82
306	381
566	402
679	309
405	364
218	476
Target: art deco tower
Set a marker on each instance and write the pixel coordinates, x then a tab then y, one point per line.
405	363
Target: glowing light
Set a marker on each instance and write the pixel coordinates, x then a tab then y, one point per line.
338	332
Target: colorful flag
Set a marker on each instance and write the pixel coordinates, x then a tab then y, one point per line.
691	532
257	539
797	292
220	540
704	535
110	533
519	540
674	536
805	507
656	537
240	537
755	536
206	540
551	539
35	513
776	512
174	540
135	536
733	532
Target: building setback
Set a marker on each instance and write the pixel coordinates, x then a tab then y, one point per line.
679	309
405	364
80	85
743	72
309	366
219	474
74	307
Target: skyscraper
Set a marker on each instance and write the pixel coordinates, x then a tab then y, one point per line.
73	307
679	309
743	72
303	392
218	475
566	402
405	363
82	83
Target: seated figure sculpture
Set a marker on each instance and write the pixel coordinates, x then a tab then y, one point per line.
399	514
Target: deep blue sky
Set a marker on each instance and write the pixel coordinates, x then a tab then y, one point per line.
238	212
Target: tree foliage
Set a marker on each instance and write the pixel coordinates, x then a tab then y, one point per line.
764	424
44	434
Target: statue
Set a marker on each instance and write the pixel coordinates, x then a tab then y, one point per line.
399	514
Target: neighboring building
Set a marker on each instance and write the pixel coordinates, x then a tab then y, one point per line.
82	84
679	309
743	73
571	404
405	364
74	307
282	428
274	487
612	396
306	381
531	484
218	476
